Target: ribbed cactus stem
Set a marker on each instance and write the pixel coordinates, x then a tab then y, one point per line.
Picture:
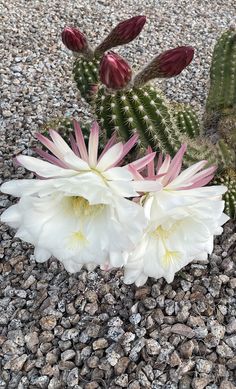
228	178
86	75
222	93
187	120
145	111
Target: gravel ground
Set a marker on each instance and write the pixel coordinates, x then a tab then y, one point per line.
89	330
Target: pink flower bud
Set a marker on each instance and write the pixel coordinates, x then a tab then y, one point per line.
172	62
129	29
74	39
123	33
114	71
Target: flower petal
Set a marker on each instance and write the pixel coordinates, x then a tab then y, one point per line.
110	158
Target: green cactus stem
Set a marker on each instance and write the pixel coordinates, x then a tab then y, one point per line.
222	93
86	76
146	111
187	120
228	178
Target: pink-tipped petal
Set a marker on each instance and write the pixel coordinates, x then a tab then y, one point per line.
74	145
59	142
93	145
141	163
50	158
159	162
110	143
130	144
187	175
43	168
175	165
150	166
165	165
110	158
80	141
135	173
127	147
201	182
49	145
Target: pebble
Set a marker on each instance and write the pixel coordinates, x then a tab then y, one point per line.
100	344
48	322
182	329
152	347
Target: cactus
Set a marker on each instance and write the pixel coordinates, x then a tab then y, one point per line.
222	92
228	178
86	76
187	120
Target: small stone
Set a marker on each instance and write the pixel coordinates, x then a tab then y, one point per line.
200	383
175	359
17	337
152	347
91	308
186	349
231	363
217	330
31	340
100	344
122	365
134	385
122	380
227	385
40	382
93	361
54	383
231	342
113	357
135	318
30	281
115	333
231	326
67	355
149	303
73	377
6	113
182	329
16	364
223	350
48	322
71	333
204	366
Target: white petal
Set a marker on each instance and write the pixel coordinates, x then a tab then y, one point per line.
110	158
41	255
117	173
43	168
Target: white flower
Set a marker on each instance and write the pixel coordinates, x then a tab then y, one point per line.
183	219
78	211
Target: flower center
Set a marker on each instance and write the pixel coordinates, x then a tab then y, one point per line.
169	257
77	238
80	207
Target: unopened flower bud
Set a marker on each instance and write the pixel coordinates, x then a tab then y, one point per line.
114	71
168	64
172	62
74	39
123	33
